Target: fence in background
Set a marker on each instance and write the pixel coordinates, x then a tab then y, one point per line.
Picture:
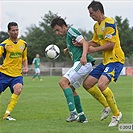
59	71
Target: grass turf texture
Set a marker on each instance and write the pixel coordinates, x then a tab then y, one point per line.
42	108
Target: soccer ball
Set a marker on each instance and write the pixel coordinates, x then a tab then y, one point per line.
52	51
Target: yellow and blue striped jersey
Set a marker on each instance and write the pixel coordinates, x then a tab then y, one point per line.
107	31
14	53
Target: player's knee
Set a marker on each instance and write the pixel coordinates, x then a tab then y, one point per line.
17	88
102	86
86	85
63	83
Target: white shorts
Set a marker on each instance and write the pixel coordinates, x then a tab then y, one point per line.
37	70
78	73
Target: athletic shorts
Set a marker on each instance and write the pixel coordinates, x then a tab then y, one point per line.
111	71
78	73
37	70
7	81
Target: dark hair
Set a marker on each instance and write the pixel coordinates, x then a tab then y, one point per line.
11	24
96	5
58	21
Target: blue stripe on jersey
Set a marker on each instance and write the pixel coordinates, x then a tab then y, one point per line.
25	46
78	67
3	45
4	54
111	25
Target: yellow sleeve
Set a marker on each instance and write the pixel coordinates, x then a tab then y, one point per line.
1	50
95	37
25	53
110	31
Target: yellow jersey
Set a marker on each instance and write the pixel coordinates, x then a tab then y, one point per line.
14	53
107	31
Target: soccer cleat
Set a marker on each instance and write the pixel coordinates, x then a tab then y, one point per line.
40	79
115	120
105	113
82	120
9	118
33	79
73	117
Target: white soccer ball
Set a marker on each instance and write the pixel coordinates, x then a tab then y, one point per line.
52	51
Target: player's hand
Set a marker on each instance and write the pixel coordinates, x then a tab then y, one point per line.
83	60
65	50
91	49
25	70
76	43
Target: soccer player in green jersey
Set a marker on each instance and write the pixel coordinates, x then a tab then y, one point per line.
105	39
37	64
14	52
82	65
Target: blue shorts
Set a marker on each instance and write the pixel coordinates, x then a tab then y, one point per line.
111	71
7	81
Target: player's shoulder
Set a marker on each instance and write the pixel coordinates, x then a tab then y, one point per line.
109	20
72	29
35	59
21	40
5	41
73	32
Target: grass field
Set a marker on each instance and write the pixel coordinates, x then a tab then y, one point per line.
42	108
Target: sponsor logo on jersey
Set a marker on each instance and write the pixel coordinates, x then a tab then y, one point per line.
15	55
9	46
103	29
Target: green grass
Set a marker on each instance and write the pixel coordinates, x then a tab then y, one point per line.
42	108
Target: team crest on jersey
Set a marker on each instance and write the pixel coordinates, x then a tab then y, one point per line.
22	47
103	29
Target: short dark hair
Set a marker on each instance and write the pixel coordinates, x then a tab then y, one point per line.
96	5
11	24
58	21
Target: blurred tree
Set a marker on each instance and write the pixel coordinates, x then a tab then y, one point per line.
3	36
126	36
33	38
38	38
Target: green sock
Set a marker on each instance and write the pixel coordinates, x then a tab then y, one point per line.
70	99
39	76
79	107
34	76
78	104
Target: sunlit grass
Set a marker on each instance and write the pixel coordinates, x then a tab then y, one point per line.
42	108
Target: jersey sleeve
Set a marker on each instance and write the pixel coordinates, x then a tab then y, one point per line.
2	49
110	30
34	60
95	37
25	53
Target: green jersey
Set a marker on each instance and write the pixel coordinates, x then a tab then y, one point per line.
36	62
76	51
